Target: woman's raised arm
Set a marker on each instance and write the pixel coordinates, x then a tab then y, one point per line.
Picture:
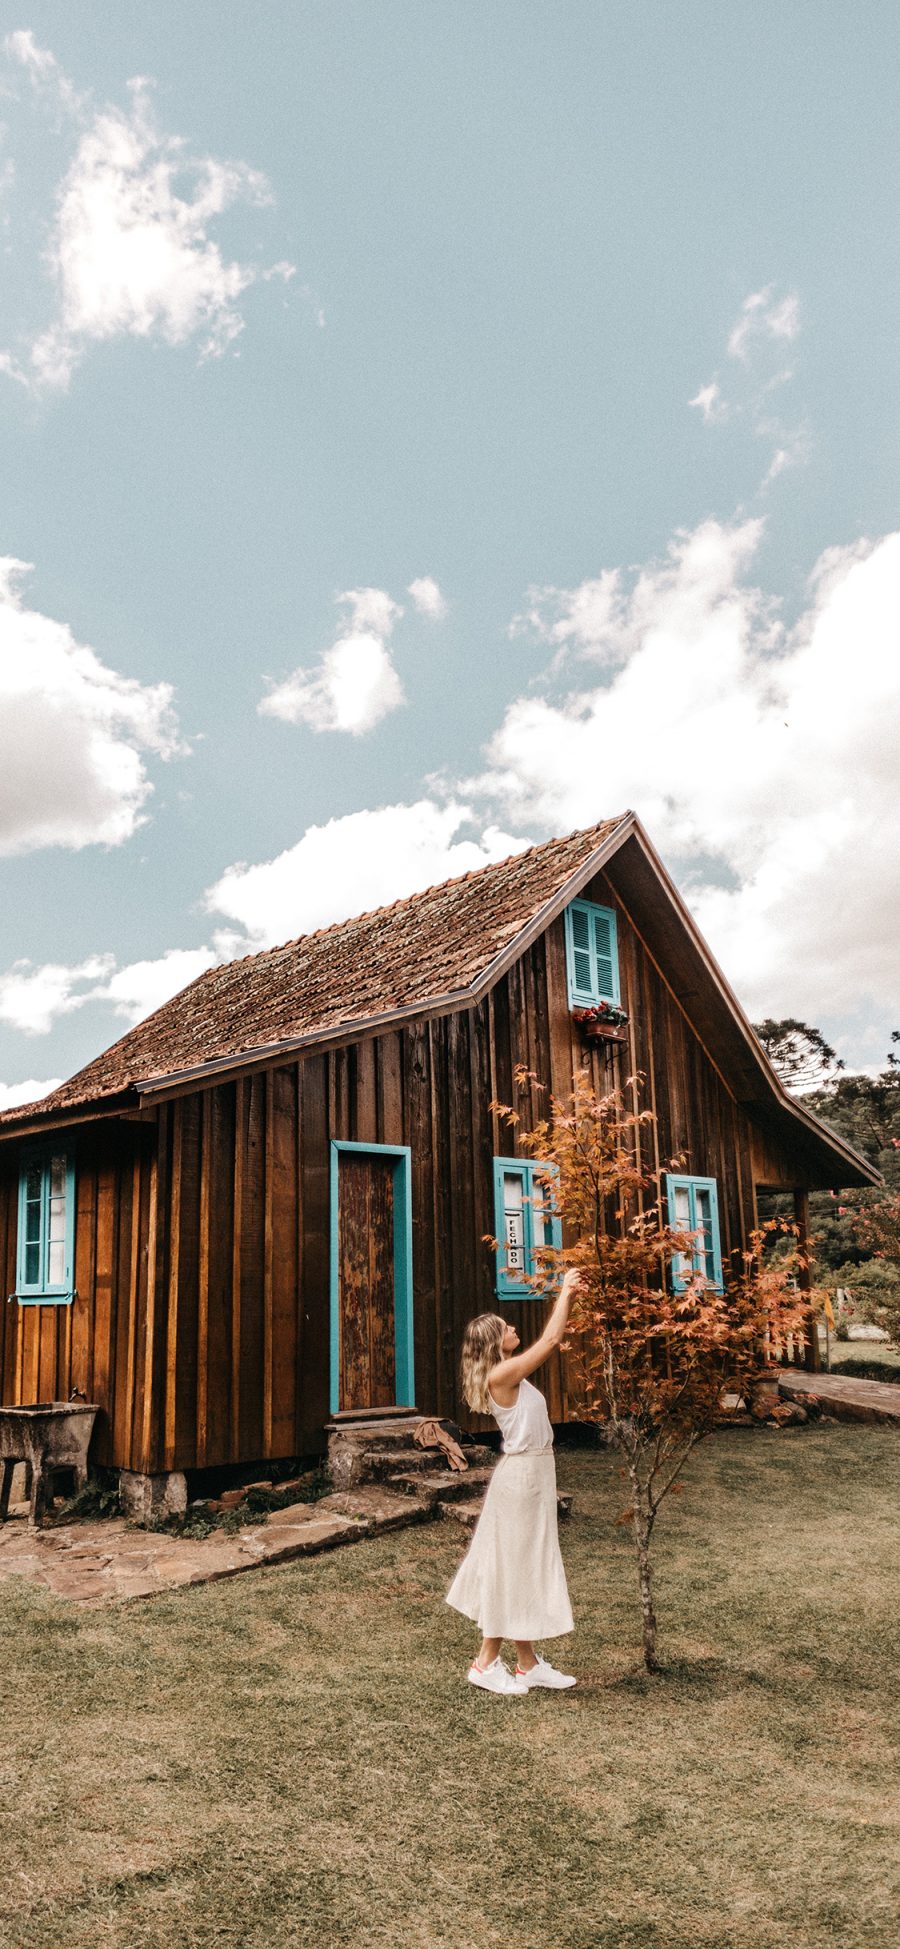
508	1373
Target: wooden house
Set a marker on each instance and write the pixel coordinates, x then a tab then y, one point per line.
266	1205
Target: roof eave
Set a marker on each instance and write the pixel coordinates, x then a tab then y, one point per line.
33	1123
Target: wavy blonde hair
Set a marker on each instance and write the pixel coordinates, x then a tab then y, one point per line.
481	1350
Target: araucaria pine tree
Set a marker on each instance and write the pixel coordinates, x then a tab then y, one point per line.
654	1342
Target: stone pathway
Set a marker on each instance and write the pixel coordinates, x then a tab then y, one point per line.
843	1396
91	1563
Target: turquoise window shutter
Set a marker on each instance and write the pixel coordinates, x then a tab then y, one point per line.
582	958
605	969
694	1207
592	955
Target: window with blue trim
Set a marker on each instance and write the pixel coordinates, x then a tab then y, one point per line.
694	1207
524	1222
45	1261
592	954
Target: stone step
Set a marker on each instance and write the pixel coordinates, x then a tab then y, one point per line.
379	1463
376	1504
450	1484
374	1436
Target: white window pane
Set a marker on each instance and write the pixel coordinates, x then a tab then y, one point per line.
682	1208
514	1220
707	1259
57	1218
57	1263
538	1219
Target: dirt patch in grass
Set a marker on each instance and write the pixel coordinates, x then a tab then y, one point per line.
294	1757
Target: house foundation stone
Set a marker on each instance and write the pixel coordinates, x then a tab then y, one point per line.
146	1498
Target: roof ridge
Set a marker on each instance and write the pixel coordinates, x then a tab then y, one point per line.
405	899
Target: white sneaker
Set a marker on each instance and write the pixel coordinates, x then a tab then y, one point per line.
497	1678
544	1674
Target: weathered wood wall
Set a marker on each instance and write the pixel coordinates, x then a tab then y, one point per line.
202	1253
99	1343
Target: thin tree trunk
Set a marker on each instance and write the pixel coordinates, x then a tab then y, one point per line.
642	1526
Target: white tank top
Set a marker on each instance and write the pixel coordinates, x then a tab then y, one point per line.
526	1427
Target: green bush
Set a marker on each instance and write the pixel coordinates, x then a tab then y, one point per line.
868	1367
97	1500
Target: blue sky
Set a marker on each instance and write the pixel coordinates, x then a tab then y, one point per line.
432	427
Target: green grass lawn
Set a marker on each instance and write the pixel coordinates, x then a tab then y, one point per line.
293	1757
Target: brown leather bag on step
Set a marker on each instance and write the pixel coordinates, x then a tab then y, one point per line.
430	1434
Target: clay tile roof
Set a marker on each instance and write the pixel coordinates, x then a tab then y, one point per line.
414	952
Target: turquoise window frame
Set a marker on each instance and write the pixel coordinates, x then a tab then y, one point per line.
403	1268
680	1277
580	997
507	1285
43	1291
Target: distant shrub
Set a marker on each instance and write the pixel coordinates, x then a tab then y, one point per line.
867	1367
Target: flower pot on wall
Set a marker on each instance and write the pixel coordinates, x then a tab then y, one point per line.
602	1024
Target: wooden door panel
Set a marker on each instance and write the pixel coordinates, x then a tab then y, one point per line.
382	1374
366	1280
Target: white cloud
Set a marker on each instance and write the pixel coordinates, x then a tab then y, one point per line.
427	598
354	685
710	403
766	324
762	761
72	734
352	864
136	990
600	619
42	68
763	316
130	250
12	1094
794	452
33	999
372	609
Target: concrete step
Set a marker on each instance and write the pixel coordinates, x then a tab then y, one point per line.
450	1484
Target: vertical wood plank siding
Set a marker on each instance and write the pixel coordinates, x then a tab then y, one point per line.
201	1323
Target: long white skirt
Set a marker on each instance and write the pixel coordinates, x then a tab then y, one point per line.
511	1581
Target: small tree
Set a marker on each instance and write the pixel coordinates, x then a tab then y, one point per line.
655	1352
800	1053
876	1283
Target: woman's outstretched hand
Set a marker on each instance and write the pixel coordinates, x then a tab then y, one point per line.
571	1284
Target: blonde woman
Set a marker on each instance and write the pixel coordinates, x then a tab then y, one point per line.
511	1581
